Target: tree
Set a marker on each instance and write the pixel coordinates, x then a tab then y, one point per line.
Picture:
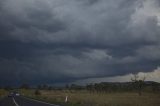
138	83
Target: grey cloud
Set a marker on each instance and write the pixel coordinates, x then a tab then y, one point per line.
70	21
106	23
149	52
57	40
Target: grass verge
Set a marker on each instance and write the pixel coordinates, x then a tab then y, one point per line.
84	98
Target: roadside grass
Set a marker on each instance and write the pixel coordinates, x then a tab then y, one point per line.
84	98
3	93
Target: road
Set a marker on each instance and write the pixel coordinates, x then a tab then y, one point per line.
22	101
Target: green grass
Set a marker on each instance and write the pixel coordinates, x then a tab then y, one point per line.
84	98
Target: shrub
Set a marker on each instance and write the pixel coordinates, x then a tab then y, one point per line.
37	92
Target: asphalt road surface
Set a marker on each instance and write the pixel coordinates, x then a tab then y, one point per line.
22	101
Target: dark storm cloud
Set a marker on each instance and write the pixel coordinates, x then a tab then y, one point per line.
55	41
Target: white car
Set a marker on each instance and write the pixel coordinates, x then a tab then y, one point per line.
17	94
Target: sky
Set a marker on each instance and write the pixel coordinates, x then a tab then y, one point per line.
65	41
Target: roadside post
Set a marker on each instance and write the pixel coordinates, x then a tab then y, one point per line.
66	99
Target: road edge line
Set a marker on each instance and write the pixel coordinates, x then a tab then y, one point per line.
15	102
40	101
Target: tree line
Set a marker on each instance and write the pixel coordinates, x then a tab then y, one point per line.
135	85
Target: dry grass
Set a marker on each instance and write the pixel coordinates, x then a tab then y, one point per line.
84	98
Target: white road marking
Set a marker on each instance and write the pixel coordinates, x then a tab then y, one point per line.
15	102
40	101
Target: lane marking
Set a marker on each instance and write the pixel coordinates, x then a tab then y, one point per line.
40	101
15	102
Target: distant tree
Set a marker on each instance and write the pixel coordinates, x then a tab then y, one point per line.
138	82
90	87
99	87
76	87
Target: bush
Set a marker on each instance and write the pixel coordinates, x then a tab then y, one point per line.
37	92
